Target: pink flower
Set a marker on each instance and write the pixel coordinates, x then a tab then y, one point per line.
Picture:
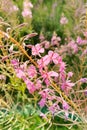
44	93
53	74
28	4
73	46
54	57
55	40
46	76
79	40
62	75
23	66
27	9
43	116
85	92
83	80
41	37
31	71
65	105
54	108
59	39
63	20
70	74
67	85
26	13
84	52
50	54
44	61
42	102
62	66
31	87
37	49
14	8
47	44
38	84
20	73
51	57
15	63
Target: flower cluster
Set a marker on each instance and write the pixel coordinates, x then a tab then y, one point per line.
52	87
10	7
27	9
71	46
63	20
49	68
28	74
38	79
55	41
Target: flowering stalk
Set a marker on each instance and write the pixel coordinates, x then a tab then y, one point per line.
54	86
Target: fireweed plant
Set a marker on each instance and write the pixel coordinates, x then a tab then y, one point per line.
52	88
55	79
